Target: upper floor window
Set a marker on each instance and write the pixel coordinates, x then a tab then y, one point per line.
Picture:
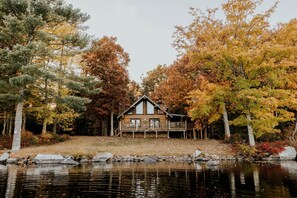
139	108
150	108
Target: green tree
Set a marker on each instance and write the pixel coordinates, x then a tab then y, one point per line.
23	43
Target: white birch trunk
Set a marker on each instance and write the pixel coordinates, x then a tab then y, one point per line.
250	130
4	124
226	124
24	122
10	125
16	144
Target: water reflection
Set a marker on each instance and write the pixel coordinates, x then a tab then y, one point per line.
150	180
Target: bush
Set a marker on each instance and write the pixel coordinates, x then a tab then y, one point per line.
29	139
266	149
247	151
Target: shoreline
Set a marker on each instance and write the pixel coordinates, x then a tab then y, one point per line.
83	149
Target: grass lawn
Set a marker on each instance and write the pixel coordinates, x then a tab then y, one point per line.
89	146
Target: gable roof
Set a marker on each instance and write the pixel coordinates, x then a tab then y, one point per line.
150	100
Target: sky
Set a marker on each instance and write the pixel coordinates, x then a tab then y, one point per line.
144	28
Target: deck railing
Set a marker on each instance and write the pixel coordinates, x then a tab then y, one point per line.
161	127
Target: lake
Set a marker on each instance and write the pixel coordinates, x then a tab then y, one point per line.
163	179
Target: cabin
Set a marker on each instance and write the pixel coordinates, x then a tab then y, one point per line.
145	116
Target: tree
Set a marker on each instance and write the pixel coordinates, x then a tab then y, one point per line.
206	104
135	91
23	42
244	51
108	61
153	79
174	90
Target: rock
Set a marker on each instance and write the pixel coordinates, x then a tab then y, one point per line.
197	166
69	161
213	163
4	157
196	154
271	158
149	160
214	157
12	161
49	159
84	160
288	154
201	159
102	157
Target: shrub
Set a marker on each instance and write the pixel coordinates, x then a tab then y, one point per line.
247	150
29	139
270	148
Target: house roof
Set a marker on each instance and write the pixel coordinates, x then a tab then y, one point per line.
151	101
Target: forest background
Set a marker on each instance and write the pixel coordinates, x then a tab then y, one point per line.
235	77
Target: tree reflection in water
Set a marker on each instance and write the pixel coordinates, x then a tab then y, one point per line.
277	179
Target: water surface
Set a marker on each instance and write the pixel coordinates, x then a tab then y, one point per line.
278	179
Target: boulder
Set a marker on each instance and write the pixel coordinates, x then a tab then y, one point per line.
102	157
12	161
48	159
4	157
84	160
213	163
149	160
196	154
288	154
69	161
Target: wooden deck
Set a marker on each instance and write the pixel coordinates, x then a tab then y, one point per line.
168	128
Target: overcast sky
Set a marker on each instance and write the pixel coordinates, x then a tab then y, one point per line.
144	28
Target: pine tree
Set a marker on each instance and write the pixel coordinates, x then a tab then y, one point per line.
23	43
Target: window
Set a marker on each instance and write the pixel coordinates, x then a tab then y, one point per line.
139	108
135	123
150	108
154	123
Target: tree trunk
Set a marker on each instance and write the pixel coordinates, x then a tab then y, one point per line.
295	130
250	130
10	125
4	124
44	127
55	127
205	133
111	124
16	144
104	126
226	124
24	122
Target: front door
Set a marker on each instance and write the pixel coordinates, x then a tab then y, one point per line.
154	123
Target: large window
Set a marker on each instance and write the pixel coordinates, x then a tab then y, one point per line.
135	123
139	108
154	123
150	108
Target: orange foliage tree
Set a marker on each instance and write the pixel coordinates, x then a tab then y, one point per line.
108	61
